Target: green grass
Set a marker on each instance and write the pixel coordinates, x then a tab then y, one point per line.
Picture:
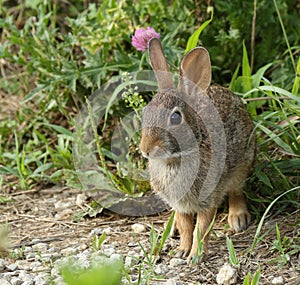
53	57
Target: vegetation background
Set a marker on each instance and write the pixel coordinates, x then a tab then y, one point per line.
54	54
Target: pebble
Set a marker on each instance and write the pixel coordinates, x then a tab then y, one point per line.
95	232
174	262
12	267
41	247
16	281
4	282
278	280
2	264
80	199
59	205
227	275
161	269
108	251
68	251
130	261
138	228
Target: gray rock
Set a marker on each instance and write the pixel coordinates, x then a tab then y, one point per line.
130	261
40	247
12	267
25	277
95	232
4	282
278	280
138	228
68	251
108	250
28	282
60	205
161	269
174	262
41	279
16	281
116	256
227	275
2	264
53	249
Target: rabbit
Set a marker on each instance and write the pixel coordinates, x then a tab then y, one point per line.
200	147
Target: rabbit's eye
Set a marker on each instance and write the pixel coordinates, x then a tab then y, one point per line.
176	118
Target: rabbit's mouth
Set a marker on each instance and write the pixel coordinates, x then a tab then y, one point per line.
156	152
162	154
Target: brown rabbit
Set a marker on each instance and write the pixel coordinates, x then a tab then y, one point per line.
200	145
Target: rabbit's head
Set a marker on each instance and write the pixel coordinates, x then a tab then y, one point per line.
171	125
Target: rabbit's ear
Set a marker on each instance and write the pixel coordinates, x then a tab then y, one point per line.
160	65
195	71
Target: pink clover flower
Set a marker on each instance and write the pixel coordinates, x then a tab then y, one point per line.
142	36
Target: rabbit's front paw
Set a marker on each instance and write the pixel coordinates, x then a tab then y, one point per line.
184	248
239	220
181	253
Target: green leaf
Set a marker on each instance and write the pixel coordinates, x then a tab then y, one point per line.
257	77
263	177
60	129
246	70
232	256
247	279
256	278
166	232
35	92
232	85
276	139
296	84
193	39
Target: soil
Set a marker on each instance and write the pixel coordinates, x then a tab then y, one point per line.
53	217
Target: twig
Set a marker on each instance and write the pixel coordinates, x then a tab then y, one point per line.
253	35
29	243
267	98
25	192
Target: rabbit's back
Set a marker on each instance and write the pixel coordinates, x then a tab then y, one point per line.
238	126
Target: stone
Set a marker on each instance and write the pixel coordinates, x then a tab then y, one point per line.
227	275
60	205
95	232
278	280
108	251
41	279
130	261
40	247
4	282
138	228
2	264
161	269
16	281
116	256
68	251
12	267
174	262
80	199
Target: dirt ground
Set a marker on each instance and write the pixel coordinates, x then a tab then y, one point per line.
51	216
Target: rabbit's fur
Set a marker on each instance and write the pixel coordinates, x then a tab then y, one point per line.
200	145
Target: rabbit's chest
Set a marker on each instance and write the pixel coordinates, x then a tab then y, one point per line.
177	184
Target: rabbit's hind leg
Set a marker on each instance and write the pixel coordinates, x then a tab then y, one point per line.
185	225
238	217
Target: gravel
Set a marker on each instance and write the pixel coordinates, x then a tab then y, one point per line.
46	238
41	264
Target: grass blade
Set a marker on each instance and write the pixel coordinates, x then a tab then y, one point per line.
259	227
193	39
